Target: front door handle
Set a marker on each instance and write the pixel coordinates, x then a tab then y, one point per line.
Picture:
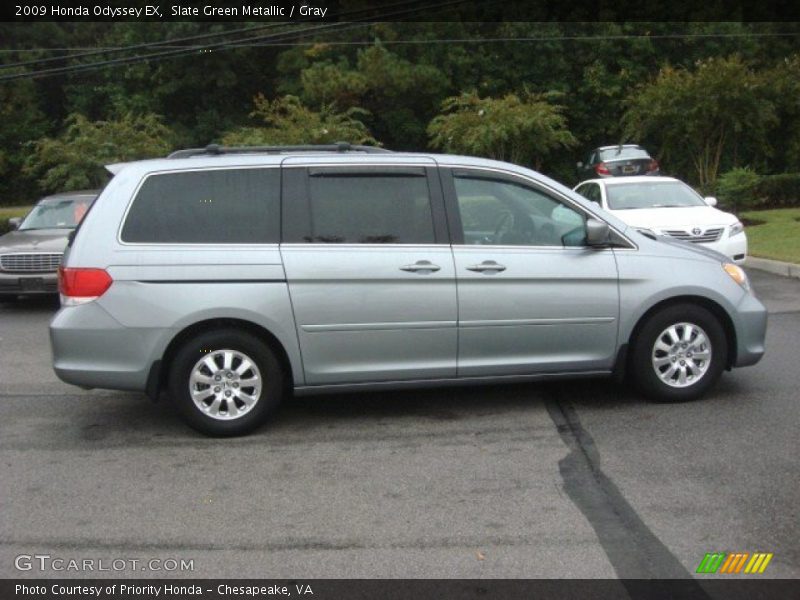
421	266
487	266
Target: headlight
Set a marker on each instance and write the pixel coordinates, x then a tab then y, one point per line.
737	274
735	229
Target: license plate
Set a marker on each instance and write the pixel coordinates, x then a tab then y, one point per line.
629	169
31	284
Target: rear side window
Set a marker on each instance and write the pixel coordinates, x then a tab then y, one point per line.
226	206
370	209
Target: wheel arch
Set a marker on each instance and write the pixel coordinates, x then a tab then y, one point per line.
160	369
713	307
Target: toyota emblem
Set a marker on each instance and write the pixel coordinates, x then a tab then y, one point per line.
697	231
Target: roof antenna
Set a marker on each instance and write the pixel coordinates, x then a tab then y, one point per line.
213	149
342	146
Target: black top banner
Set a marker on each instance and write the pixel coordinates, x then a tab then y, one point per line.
411	10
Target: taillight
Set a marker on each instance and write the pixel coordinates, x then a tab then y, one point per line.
653	166
602	169
82	285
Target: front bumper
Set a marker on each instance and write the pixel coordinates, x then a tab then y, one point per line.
15	284
735	248
750	321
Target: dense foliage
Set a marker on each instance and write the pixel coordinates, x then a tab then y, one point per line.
703	97
520	129
287	121
76	159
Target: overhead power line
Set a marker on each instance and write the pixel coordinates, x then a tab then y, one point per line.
170	43
511	39
489	40
114	50
221	45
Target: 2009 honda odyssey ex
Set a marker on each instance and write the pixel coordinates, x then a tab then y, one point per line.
231	276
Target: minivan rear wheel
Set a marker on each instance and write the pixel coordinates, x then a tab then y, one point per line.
225	382
679	353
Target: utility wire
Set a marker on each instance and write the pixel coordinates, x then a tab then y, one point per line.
169	43
97	51
506	39
234	44
191	49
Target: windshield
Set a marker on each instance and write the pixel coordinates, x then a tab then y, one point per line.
667	194
63	213
623	153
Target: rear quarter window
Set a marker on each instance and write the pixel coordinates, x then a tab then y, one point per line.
223	206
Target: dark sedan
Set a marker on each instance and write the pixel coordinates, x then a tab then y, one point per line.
616	161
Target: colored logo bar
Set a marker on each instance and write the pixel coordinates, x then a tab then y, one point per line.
734	562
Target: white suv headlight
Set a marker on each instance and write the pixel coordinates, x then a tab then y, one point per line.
735	229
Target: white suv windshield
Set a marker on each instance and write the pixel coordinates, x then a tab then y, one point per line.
667	194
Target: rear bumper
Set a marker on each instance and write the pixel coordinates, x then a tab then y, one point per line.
751	331
92	350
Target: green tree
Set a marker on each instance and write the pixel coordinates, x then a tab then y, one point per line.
716	116
522	129
400	95
21	121
288	121
783	88
76	158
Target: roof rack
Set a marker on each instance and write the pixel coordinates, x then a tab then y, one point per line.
217	150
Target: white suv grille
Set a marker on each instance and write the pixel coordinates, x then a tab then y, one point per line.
29	262
703	237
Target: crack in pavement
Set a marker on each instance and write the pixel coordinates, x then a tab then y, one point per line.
633	550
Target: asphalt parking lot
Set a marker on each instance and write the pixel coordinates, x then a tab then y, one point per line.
578	479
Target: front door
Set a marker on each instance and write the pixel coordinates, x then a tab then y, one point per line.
370	272
532	297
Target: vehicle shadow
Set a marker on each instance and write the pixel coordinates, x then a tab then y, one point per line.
322	413
40	303
130	419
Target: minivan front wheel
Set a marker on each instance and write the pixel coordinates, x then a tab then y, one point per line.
225	382
679	353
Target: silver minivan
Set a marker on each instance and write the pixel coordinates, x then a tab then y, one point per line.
232	277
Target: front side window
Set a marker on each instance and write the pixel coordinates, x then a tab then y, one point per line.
224	206
503	213
370	209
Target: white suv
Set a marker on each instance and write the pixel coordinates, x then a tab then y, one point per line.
669	207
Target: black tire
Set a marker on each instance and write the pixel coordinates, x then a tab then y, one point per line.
209	345
643	369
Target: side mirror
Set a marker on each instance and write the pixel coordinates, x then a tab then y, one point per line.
579	164
710	200
15	222
597	232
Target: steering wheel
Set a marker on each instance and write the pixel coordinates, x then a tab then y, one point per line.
504	225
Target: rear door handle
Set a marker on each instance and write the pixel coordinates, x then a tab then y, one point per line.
487	266
421	266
